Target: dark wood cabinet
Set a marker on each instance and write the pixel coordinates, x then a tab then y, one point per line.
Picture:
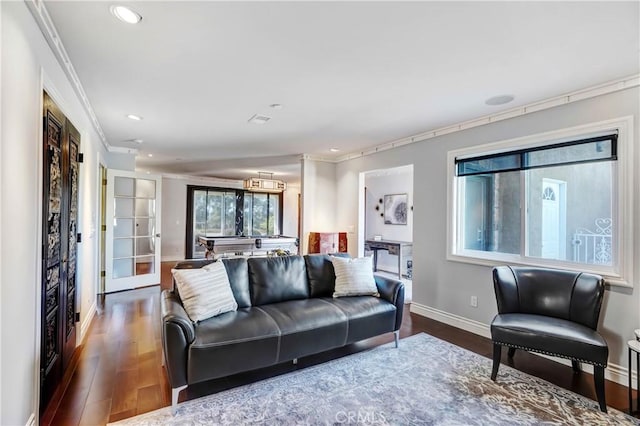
327	242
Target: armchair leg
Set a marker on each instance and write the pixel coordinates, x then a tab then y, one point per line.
174	398
598	378
576	366
396	337
497	351
512	352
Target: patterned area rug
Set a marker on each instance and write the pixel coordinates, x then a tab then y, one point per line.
426	381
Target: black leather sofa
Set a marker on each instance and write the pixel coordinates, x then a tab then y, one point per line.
285	311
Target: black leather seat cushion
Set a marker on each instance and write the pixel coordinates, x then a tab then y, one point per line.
307	326
322	276
276	279
238	273
550	335
368	316
233	342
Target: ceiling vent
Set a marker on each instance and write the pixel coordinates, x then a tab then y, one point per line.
259	119
264	183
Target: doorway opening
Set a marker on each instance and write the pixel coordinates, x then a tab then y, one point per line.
386	222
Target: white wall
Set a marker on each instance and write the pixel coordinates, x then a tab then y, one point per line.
318	200
378	184
1	209
25	56
290	210
442	286
121	161
174	211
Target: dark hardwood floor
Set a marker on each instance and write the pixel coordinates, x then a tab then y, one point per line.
119	372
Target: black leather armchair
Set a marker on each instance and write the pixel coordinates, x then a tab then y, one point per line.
552	312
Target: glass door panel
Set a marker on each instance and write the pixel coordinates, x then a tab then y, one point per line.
133	230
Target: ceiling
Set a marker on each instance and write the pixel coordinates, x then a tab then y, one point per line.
349	75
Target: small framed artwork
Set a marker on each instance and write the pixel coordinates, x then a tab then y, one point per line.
395	209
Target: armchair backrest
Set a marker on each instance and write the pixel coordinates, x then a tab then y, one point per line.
573	296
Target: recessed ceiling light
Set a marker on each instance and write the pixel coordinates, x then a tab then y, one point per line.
276	106
149	155
334	150
499	100
134	117
125	14
259	119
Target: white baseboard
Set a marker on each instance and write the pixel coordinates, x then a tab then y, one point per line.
84	327
457	321
614	372
32	420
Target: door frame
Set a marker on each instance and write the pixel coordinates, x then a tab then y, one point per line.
100	253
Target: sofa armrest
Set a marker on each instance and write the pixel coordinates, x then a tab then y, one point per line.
177	333
173	312
392	291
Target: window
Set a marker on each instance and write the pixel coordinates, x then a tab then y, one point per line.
227	212
261	214
554	202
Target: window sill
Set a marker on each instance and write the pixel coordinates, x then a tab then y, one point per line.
611	280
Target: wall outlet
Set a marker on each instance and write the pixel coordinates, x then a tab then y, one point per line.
474	301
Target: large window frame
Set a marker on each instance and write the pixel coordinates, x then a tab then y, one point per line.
621	272
239	212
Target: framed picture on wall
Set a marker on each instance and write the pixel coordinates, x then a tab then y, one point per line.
395	209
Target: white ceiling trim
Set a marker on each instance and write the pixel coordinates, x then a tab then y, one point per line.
48	29
591	92
235	183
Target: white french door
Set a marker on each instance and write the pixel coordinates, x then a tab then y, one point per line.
133	230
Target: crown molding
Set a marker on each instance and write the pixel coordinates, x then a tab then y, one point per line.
318	158
204	179
579	95
48	29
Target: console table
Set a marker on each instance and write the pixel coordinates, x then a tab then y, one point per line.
393	247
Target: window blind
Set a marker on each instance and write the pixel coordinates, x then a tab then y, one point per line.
601	148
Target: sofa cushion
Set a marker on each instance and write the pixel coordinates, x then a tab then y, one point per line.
233	342
189	264
307	326
205	292
322	277
550	335
354	277
368	316
275	279
238	272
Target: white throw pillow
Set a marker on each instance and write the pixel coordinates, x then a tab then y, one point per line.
354	277
205	292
